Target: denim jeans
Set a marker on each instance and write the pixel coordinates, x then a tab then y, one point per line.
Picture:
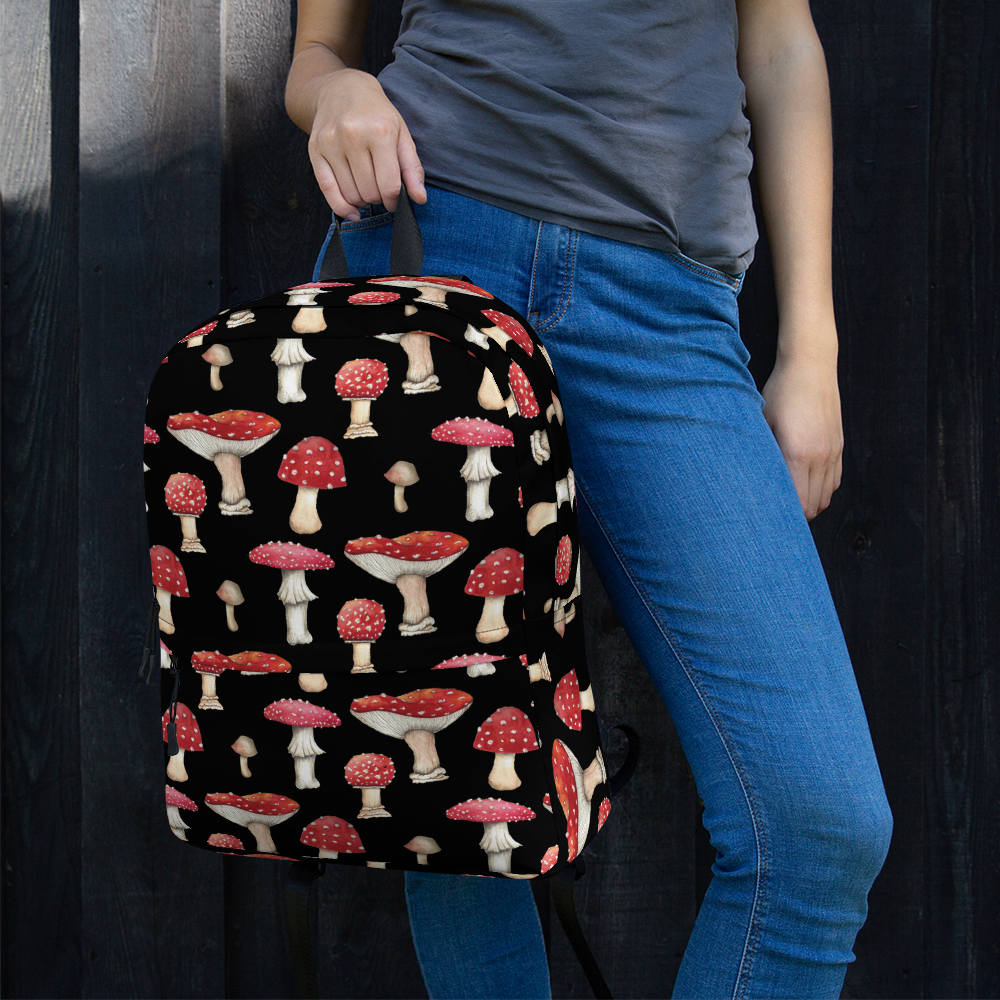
689	513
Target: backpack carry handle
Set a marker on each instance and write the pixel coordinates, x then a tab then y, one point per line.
406	254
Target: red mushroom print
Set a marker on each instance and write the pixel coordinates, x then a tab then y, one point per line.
432	289
568	777
165	655
547	802
494	814
537	671
359	382
505	329
246	748
169	580
478	436
332	835
240	317
149	436
218	356
231	595
188	738
504	733
175	802
520	387
407	561
420	375
476	664
371	772
293	560
186	497
257	812
564	560
568	701
401	475
602	813
226	438
303	717
414	718
550	858
498	576
360	622
372	298
225	840
253	663
312	465
197	338
422	846
210	664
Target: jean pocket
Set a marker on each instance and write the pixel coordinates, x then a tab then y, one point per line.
733	281
371	215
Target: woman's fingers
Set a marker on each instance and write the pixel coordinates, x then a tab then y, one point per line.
339	201
411	170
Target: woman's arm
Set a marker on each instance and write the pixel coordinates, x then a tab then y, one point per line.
782	66
359	145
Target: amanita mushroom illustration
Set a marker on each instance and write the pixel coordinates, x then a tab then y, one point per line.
401	475
550	858
231	595
240	317
415	717
359	382
303	717
499	576
149	436
257	812
554	409
568	777
422	846
254	663
226	438
331	836
176	801
540	515
360	622
290	357
165	655
169	580
494	814
246	748
504	733
520	402
478	436
210	664
476	664
197	338
407	561
309	318
188	738
547	802
503	330
541	451
373	298
229	842
537	671
568	700
433	290
312	465
564	565
420	375
218	356
371	772
186	497
293	560
603	811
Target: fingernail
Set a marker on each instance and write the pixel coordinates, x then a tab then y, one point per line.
353	217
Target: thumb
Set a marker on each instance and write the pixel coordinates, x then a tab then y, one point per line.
410	169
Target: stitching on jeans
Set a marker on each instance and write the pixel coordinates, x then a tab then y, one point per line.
707	272
534	272
569	278
749	947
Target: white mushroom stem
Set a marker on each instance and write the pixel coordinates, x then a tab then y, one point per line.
361	424
175	767
498	843
371	804
209	699
398	500
262	834
540	515
416	610
313	683
177	825
309	319
289	355
420	375
595	774
189	529
244	766
426	763
489	396
587	698
324	853
375	864
539	671
540	449
213	379
421	859
362	658
196	341
304	750
566	489
559	616
166	621
503	777
295	595
233	499
477	464
231	617
492	627
432	295
304	519
474	336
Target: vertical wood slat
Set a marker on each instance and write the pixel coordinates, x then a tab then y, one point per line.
149	224
41	774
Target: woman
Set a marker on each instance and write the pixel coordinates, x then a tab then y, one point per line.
588	164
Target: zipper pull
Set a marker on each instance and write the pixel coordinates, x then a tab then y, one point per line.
148	653
172	748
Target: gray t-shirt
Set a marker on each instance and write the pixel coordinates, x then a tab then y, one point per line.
622	118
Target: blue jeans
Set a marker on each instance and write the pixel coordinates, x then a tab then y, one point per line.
689	513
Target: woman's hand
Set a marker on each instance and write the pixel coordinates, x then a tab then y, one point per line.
802	408
360	147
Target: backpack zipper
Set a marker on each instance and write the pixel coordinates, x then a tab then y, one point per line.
148	653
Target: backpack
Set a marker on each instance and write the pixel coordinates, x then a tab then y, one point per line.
369	639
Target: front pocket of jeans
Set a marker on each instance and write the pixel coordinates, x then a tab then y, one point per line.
713	273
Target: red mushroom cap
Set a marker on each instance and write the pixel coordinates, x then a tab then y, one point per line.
149	436
512	328
527	405
417	546
372	298
490	811
254	662
296	712
369	770
360	620
290	555
428	703
547	802
564	560
185	494
168	573
225	840
473	431
459	286
179	799
188	733
469	660
331	833
507	730
500	574
313	462
321	284
261	803
550	858
566	701
208	662
202	331
565	780
365	378
602	812
231	425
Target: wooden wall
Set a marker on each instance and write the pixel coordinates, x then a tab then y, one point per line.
150	176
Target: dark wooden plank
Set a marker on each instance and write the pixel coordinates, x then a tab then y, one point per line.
961	739
149	222
41	727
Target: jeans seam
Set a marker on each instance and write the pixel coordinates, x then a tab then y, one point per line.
717	276
534	272
749	947
566	295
